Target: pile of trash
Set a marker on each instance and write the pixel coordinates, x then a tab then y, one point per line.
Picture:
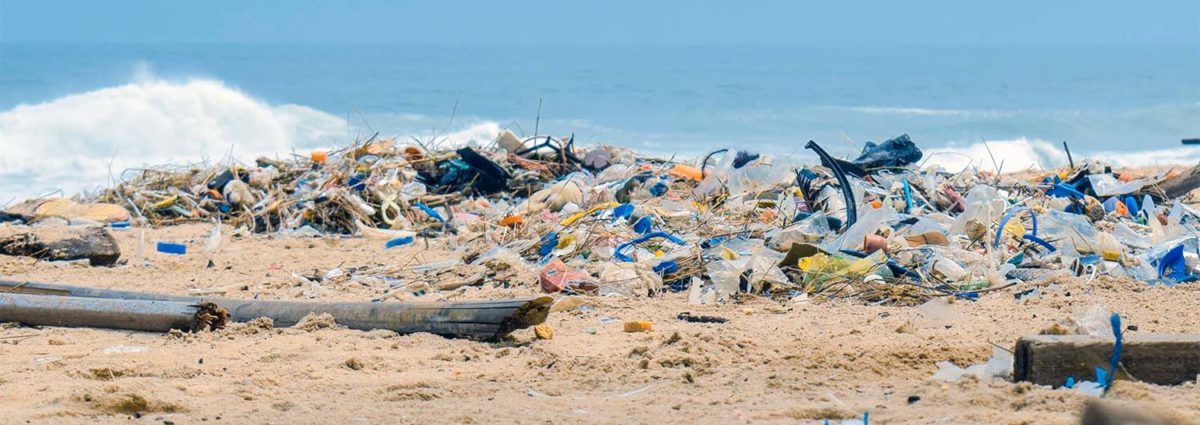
603	220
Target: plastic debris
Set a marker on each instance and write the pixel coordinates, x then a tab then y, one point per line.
171	248
607	221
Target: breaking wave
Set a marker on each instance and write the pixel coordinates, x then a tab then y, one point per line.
82	141
72	143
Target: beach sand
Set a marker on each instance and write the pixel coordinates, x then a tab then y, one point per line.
800	362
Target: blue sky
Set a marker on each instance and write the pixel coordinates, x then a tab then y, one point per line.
615	22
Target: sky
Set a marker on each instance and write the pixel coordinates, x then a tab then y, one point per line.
1061	23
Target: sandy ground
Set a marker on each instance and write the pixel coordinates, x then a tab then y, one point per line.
771	363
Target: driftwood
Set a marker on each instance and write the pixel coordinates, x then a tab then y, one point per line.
94	244
480	320
1182	184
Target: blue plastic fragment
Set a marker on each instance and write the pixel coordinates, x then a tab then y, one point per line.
622	211
643	225
666	267
1070	382
549	242
224	208
430	212
395	242
358	182
620	255
171	248
658	189
119	225
1174	261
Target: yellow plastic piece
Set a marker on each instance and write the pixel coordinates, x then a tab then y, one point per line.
165	202
575	217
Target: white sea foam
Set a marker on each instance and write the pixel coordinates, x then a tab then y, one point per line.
896	110
1020	154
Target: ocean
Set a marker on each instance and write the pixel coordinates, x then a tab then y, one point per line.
74	117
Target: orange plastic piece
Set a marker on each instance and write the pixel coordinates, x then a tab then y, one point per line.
876	204
687	172
1122	210
638	326
511	221
319	156
413	153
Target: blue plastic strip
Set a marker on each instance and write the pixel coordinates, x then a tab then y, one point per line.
1041	242
429	211
1115	321
908	202
403	240
618	254
1008	216
1062	190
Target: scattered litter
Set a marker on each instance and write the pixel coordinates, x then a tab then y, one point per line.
999	366
125	349
689	317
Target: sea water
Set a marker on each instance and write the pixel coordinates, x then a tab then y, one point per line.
81	116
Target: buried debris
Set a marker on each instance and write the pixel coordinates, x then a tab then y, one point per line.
696	318
1156	359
